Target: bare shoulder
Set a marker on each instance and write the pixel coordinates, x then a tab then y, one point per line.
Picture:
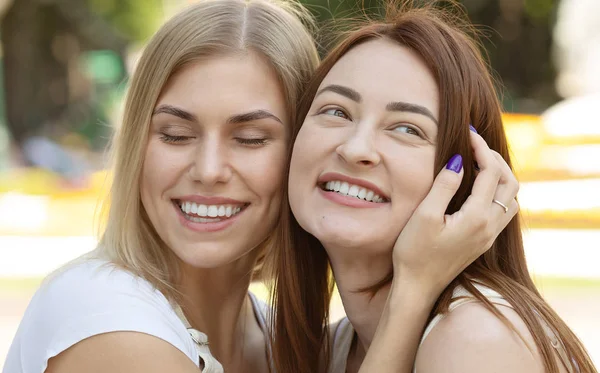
121	352
472	339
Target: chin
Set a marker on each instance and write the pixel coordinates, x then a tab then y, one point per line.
348	234
210	255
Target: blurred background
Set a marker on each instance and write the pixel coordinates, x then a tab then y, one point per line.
64	69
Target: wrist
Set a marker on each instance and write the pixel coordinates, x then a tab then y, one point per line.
407	303
407	288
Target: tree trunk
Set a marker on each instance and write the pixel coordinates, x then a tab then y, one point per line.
35	81
41	41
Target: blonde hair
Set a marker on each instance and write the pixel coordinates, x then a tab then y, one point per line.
276	30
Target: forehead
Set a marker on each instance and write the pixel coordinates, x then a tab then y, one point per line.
240	83
382	70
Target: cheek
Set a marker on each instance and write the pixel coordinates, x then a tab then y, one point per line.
161	168
412	179
423	180
264	170
310	148
149	171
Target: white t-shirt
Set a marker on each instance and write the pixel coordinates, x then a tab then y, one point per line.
94	297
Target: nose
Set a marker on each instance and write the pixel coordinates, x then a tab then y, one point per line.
210	165
359	148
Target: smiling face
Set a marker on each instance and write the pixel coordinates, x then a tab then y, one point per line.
213	170
364	157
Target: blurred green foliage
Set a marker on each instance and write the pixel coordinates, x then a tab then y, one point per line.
137	20
518	42
539	9
517	39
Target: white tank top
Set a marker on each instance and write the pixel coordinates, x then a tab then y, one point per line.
342	332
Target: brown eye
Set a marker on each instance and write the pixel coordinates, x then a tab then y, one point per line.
407	129
336	113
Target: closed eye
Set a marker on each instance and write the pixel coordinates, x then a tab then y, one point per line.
169	139
252	141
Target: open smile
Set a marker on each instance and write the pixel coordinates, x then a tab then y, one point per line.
346	189
200	213
208	217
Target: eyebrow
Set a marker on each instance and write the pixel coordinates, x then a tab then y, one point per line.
412	108
235	119
177	112
392	106
252	116
341	90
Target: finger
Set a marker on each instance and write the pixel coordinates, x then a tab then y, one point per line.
507	175
486	182
443	189
503	220
508	187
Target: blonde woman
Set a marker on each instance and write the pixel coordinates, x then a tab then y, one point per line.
199	161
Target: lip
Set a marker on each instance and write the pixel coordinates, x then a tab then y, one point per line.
349	201
331	176
209	200
206	227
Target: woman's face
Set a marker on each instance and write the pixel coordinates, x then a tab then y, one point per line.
364	157
213	169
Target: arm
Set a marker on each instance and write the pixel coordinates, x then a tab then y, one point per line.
394	346
433	249
471	339
91	315
118	352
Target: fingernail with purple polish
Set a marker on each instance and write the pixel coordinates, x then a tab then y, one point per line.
472	128
455	163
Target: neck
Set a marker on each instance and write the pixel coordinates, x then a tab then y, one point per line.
363	308
215	301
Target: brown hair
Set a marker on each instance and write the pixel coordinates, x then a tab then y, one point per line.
303	284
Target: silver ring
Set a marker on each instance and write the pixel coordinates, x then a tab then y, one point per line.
501	205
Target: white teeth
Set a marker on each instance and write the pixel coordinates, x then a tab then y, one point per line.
213	211
210	211
196	219
362	193
345	188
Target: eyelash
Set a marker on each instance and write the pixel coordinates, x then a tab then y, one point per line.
173	139
179	139
324	111
251	142
417	133
347	117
